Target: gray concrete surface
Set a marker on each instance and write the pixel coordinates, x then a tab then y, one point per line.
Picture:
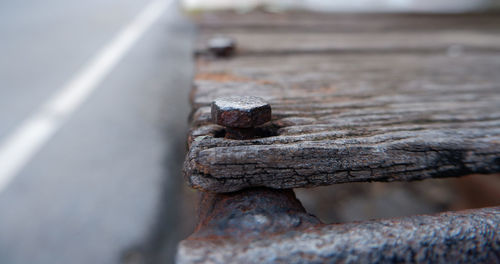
105	188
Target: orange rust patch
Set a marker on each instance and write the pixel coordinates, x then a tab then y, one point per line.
326	89
220	77
263	82
226	77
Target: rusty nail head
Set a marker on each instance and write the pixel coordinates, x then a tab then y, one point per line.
222	46
241	111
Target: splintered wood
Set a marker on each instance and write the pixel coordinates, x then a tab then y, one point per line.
354	98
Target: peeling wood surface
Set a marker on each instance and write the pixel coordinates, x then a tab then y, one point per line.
401	114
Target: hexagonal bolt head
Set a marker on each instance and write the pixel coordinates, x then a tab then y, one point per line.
240	115
221	46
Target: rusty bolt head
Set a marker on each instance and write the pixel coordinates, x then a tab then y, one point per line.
222	46
240	111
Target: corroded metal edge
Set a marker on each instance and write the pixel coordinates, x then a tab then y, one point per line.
249	214
471	236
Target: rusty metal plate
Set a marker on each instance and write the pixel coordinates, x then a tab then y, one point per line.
464	237
270	226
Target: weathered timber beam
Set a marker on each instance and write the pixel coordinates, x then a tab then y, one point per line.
453	43
349	118
321	22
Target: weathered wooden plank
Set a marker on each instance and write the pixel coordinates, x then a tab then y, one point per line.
298	32
349	117
260	44
231	22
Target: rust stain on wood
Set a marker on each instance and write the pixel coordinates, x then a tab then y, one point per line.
226	77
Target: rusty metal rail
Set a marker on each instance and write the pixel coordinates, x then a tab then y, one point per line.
270	226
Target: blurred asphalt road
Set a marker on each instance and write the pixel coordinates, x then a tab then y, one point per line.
105	188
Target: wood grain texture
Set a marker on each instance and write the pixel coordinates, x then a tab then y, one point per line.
231	22
264	44
346	117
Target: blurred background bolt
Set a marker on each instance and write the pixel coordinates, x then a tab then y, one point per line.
222	47
240	115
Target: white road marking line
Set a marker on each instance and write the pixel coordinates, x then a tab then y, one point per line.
20	146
